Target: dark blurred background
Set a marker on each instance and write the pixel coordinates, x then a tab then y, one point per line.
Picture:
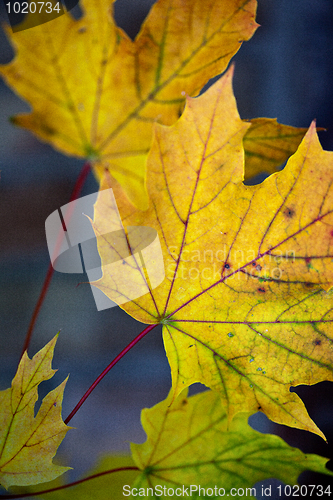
286	72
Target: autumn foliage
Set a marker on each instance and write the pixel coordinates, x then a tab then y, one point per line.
246	303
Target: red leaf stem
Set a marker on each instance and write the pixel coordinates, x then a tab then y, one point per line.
76	191
69	485
108	368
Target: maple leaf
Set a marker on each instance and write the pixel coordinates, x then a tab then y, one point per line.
28	443
268	144
189	442
95	93
242	305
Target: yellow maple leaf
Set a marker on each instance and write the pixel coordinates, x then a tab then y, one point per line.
95	93
28	443
242	302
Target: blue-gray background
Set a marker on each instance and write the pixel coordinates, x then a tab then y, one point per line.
284	72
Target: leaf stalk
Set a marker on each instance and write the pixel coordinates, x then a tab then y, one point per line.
108	368
75	193
69	485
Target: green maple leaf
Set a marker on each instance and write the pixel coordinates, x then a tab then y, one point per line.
189	442
28	443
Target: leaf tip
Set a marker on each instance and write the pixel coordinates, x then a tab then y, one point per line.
313	125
